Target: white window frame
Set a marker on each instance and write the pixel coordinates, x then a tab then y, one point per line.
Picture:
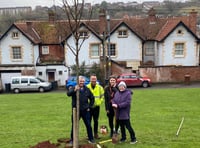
83	34
15	34
95	48
123	33
149	49
113	50
179	49
16	55
45	50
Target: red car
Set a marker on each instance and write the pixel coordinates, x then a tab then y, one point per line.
132	79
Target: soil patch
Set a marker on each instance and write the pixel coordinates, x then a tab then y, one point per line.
62	143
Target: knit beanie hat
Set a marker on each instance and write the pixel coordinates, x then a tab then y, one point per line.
122	83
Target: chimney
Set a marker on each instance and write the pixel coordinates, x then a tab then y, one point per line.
193	21
102	21
29	26
51	16
152	16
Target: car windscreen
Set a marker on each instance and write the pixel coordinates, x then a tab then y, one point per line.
40	80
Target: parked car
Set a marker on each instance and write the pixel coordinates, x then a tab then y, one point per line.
132	79
71	81
29	83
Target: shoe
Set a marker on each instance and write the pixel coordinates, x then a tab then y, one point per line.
91	141
96	136
71	142
122	140
133	141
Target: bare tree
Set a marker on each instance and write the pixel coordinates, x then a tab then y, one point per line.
74	10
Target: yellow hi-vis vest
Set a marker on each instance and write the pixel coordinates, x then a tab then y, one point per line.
98	93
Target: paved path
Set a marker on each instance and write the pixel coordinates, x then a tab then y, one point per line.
177	85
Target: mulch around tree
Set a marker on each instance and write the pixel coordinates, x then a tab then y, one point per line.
62	143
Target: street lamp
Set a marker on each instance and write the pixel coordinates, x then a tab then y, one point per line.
109	58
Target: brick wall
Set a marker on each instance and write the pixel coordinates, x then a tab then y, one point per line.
118	69
172	74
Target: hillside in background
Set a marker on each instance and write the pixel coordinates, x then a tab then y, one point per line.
115	10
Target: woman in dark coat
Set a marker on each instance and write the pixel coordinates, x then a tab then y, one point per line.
109	92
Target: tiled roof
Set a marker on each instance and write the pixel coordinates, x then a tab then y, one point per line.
45	32
147	28
171	24
30	33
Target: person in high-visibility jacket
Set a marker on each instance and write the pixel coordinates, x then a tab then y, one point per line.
98	93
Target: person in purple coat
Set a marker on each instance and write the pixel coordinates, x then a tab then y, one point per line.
122	103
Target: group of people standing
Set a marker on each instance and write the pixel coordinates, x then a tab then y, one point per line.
117	104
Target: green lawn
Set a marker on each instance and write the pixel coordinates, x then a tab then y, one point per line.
29	118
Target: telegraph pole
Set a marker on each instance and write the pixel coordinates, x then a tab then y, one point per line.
109	56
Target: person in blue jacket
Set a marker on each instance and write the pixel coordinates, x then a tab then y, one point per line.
122	103
86	101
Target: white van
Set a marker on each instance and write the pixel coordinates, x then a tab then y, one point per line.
29	83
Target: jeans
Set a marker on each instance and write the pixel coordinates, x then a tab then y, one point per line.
85	115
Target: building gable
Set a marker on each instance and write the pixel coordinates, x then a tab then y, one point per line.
169	27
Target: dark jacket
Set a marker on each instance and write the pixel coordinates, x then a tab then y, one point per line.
123	101
85	95
109	95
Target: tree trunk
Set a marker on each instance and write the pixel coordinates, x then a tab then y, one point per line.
75	135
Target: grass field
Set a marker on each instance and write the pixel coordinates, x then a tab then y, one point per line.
29	118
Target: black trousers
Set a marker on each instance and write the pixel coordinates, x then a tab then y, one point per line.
127	124
95	116
112	121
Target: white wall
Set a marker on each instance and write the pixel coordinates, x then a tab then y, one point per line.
166	49
6	78
128	49
59	78
29	51
84	52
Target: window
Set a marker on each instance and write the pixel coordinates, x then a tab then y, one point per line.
16	53
40	73
15	81
60	72
179	50
45	49
133	76
94	51
32	81
179	32
24	80
83	34
122	33
15	35
149	48
112	50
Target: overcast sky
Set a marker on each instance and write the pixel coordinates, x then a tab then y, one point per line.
49	3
